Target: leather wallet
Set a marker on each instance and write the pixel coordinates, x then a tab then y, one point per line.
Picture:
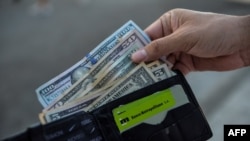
164	111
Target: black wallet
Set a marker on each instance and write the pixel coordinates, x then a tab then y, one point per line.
164	111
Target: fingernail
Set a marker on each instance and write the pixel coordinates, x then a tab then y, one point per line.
139	56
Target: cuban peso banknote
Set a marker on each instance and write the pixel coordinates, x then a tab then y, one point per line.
51	90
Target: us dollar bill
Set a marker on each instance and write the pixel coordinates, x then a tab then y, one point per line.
153	64
69	109
75	106
117	70
80	104
50	90
139	78
161	72
87	83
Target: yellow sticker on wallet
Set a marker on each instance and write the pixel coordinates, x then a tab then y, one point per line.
134	113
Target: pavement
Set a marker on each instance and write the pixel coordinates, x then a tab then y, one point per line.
34	48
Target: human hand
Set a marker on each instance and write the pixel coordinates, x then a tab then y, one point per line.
196	41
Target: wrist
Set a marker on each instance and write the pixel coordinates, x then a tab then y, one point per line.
245	39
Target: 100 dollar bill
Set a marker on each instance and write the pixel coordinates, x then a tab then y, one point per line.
138	78
49	91
87	83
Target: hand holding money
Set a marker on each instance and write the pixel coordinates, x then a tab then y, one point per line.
194	40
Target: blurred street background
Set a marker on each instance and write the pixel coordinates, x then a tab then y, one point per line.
35	47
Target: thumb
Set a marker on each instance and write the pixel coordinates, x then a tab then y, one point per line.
158	48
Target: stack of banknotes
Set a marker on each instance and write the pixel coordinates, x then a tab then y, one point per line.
103	75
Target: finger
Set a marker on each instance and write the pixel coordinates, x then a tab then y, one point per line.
161	27
171	58
164	41
174	57
182	67
159	48
182	62
139	56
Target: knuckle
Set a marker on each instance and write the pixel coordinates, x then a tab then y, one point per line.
177	10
